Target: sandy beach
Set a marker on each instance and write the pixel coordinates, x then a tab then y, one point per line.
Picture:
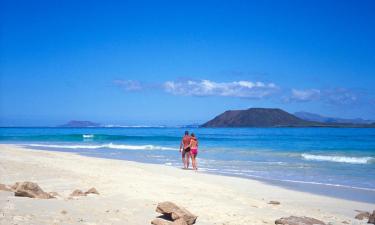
130	191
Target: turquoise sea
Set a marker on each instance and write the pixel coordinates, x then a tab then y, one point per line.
338	162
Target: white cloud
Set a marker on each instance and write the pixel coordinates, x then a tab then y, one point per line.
305	95
245	89
341	96
129	85
338	96
242	89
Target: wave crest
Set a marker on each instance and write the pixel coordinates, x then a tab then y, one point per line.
340	159
87	135
110	145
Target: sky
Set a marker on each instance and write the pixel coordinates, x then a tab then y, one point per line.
183	62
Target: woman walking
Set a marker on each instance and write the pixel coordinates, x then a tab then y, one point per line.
194	150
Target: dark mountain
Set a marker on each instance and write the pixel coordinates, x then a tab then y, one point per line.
323	119
258	117
78	123
263	117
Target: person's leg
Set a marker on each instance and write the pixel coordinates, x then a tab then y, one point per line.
192	159
183	153
187	160
195	162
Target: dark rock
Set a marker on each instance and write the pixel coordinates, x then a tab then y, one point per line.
4	187
160	221
77	193
31	190
14	186
362	215
274	203
180	221
371	218
175	212
92	191
294	220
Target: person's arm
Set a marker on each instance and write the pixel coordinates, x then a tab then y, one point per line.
181	145
190	144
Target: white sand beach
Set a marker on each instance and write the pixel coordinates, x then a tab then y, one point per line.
130	191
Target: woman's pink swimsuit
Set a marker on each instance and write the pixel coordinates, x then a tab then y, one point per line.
194	151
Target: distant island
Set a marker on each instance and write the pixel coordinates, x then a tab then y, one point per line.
324	119
257	117
269	117
79	123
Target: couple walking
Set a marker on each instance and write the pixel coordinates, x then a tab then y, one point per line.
189	148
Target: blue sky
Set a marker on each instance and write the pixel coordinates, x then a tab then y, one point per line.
178	62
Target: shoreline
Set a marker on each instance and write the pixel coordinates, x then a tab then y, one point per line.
326	189
135	188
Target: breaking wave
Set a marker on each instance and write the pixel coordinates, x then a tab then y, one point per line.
87	135
340	159
110	145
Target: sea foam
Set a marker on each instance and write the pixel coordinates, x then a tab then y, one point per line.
110	145
340	159
87	135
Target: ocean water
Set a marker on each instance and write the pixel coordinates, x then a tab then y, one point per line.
337	160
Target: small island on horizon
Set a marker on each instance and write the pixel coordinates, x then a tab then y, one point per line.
80	123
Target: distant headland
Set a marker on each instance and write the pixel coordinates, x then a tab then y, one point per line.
272	117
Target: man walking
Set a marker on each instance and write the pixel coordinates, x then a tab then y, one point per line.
184	149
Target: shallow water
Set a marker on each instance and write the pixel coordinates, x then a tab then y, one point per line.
319	157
